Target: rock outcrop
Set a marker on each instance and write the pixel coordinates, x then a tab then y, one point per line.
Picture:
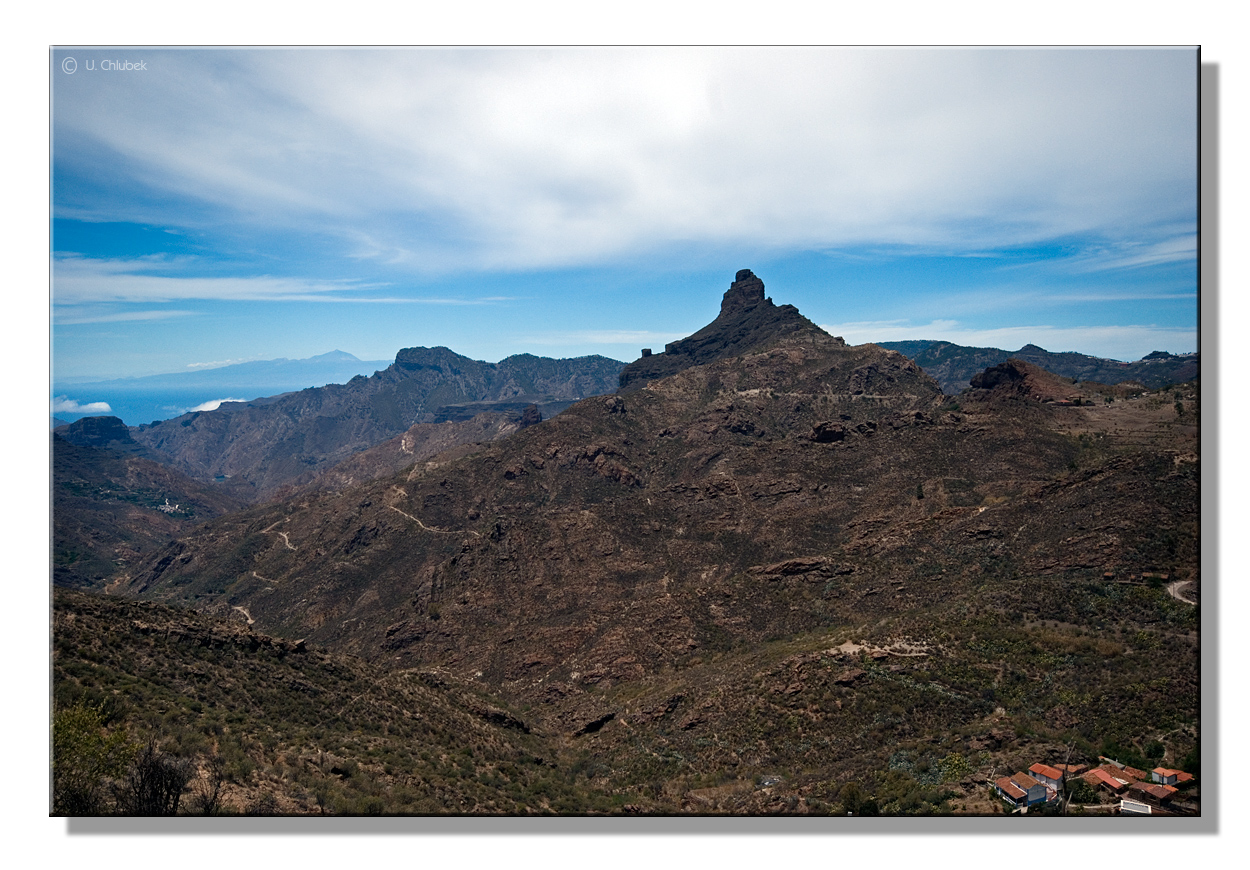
1019	378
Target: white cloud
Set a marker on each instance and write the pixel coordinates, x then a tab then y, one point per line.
66	405
1129	255
527	158
1126	343
213	405
82	285
216	364
79	280
69	315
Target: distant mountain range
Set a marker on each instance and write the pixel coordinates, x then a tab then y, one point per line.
954	365
160	397
262	445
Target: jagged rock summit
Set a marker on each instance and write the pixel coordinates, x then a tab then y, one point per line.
747	320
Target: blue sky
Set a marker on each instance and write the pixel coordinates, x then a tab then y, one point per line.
218	206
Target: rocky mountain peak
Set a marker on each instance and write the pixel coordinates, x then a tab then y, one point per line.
747	321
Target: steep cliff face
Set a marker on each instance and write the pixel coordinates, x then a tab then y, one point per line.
747	320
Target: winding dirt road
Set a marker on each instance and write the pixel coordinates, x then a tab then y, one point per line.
1174	589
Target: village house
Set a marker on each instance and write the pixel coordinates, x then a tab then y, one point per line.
1100	777
1166	776
1051	777
1125	772
1022	790
1153	793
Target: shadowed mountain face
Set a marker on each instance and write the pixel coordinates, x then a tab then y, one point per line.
747	320
257	447
583	539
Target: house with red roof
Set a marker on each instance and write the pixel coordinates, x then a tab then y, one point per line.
1100	777
1129	773
1153	792
1051	777
1166	776
1022	790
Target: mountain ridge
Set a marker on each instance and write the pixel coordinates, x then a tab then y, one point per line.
955	365
261	446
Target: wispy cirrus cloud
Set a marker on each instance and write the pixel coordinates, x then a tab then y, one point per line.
81	281
70	315
1181	248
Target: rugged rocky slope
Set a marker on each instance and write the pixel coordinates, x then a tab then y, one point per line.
272	726
799	579
954	366
421	442
111	506
257	447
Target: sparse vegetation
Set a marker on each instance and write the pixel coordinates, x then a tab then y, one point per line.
712	595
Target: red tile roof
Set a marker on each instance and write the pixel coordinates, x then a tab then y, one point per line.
1009	788
1098	775
1181	776
1046	770
1024	780
1156	791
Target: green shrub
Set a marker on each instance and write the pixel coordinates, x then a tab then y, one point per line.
85	758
